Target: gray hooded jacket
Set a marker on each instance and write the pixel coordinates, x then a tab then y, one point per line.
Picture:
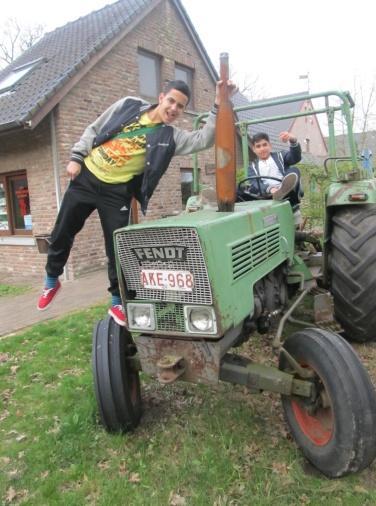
161	145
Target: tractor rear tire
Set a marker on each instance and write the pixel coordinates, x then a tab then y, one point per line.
352	265
336	429
117	385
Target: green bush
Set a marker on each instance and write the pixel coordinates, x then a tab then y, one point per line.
315	183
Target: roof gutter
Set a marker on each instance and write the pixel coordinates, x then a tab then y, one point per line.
6	128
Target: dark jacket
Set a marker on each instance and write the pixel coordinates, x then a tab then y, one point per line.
283	159
161	145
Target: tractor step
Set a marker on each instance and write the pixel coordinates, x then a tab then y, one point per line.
323	310
170	368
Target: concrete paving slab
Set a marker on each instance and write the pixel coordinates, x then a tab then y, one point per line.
20	311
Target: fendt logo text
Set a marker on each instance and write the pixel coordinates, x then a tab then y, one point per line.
162	253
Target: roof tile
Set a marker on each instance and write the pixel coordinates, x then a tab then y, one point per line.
65	50
271	128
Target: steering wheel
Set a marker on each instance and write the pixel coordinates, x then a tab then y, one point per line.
244	193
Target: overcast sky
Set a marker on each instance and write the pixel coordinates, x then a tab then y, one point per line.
270	43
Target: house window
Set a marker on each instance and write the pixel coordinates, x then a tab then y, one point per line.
149	74
15	217
186	183
306	140
17	74
185	74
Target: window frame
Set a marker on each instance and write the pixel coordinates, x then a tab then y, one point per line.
307	142
186	170
5	179
17	74
190	73
158	71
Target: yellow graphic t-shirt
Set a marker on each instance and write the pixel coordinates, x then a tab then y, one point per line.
121	158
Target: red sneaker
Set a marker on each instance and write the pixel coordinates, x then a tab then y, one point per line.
117	313
48	296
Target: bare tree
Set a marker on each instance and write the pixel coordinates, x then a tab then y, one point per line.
248	86
16	38
362	115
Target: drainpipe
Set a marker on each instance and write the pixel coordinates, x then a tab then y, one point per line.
55	164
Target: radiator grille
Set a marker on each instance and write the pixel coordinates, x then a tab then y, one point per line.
253	251
137	238
169	317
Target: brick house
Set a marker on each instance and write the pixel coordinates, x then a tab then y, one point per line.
363	140
60	85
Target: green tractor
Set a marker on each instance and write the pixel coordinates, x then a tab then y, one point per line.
197	285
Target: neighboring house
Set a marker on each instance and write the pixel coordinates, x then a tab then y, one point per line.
305	128
60	85
363	140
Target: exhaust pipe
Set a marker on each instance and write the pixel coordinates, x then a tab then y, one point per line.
225	144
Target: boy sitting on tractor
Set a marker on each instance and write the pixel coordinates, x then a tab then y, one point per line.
279	179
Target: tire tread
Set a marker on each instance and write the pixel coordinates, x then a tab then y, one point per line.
353	270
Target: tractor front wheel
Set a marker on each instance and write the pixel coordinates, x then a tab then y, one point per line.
352	265
117	384
335	429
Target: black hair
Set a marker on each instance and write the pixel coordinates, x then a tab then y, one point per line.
177	85
260	136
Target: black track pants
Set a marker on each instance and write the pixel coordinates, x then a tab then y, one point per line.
84	194
297	193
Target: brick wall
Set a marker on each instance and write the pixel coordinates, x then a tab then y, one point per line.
30	151
307	127
161	32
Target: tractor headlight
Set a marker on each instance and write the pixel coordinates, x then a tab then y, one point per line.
140	316
200	319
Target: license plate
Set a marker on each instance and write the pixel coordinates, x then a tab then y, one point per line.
156	279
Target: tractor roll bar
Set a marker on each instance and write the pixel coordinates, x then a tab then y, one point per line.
346	104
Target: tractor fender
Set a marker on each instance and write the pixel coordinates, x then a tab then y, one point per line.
352	193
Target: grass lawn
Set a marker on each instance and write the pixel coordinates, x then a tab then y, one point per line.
12	289
195	445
